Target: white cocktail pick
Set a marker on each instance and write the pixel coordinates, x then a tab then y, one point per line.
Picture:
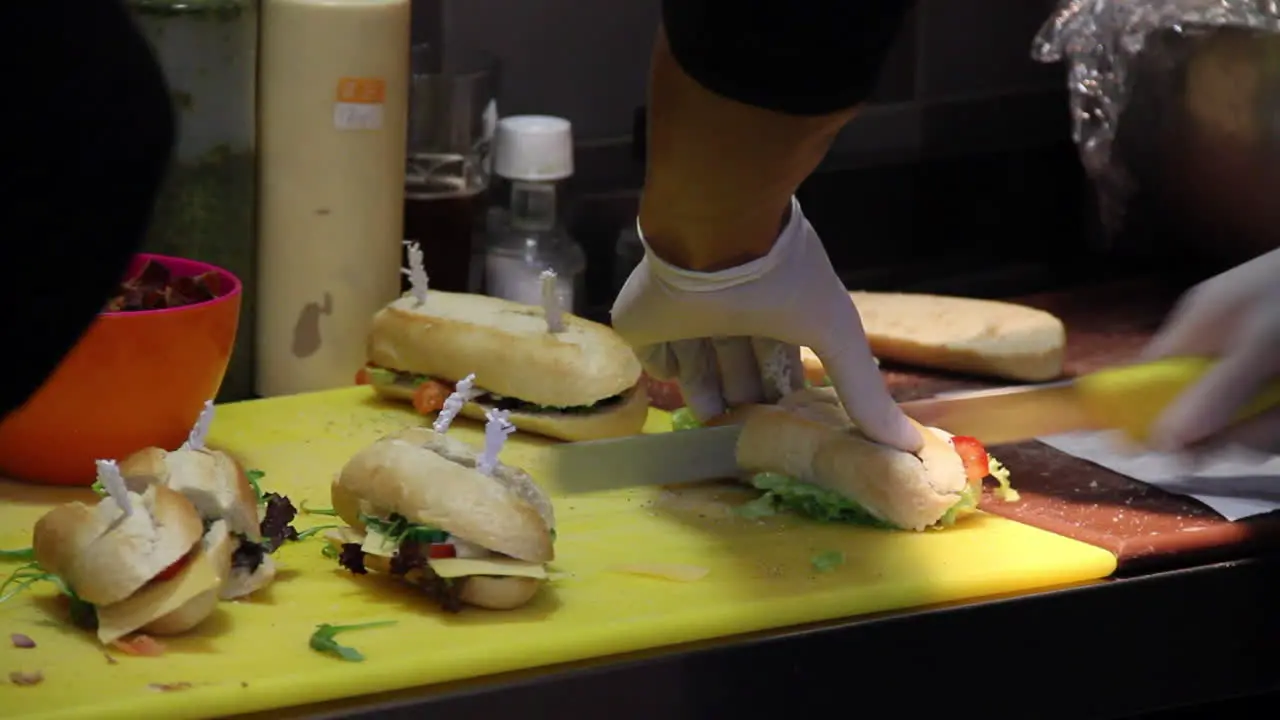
496	430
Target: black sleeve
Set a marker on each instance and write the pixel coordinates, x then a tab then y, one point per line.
91	131
801	57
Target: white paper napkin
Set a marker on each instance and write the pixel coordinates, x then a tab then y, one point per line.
1235	483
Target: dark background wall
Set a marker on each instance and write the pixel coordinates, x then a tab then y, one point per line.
959	176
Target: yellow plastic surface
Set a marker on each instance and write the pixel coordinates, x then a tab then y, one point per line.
1132	397
254	655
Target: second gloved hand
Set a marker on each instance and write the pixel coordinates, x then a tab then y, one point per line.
1234	317
732	337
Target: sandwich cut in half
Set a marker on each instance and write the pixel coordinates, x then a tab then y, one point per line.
580	382
420	509
220	490
809	458
154	569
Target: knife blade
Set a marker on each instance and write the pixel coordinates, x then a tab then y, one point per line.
658	459
1128	398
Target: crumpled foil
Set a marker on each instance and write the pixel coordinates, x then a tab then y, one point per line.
1099	40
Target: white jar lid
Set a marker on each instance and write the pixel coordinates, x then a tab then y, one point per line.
533	148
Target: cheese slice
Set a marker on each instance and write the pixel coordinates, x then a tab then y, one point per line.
375	543
506	567
199	575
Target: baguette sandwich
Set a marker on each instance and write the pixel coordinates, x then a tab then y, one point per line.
581	382
221	491
421	509
809	458
156	569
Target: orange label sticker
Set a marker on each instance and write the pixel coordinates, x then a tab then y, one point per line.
363	91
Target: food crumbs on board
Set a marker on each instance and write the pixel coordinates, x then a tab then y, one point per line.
663	571
22	641
17	677
169	687
110	659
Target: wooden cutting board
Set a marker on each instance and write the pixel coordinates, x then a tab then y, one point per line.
253	655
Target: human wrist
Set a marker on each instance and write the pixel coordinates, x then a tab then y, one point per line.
710	241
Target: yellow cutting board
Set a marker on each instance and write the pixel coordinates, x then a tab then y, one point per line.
253	655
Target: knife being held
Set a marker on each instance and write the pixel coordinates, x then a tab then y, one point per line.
1128	398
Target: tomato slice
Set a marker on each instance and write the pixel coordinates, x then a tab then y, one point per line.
441	550
429	397
362	376
973	454
143	645
170	572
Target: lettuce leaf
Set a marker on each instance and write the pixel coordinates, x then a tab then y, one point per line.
811	501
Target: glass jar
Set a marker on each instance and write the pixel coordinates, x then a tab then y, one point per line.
209	52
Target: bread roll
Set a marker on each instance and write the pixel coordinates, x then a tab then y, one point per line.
984	337
431	479
220	490
506	345
809	437
213	482
104	556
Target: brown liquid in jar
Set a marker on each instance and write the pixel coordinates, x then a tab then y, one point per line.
445	221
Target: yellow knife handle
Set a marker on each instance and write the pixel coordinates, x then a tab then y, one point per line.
1132	397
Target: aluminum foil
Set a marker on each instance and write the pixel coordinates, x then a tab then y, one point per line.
1099	40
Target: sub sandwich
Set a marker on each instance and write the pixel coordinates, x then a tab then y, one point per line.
419	508
221	491
156	569
580	382
808	457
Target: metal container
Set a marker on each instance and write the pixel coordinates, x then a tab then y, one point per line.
209	52
1200	139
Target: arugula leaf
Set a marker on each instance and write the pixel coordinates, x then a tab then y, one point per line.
827	560
312	531
684	419
253	476
398	529
24	554
317	511
322	639
83	614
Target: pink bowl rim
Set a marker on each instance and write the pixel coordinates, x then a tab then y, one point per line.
185	268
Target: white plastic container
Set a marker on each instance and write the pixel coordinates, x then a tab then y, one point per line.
535	153
333	107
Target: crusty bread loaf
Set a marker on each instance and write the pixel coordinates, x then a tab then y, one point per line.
506	345
808	436
217	545
617	420
241	582
498	593
431	479
104	556
212	480
984	337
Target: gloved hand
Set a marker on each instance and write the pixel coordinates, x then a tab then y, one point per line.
732	337
1234	317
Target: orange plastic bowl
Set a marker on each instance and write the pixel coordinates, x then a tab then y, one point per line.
135	379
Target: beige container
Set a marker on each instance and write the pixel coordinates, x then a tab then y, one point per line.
333	105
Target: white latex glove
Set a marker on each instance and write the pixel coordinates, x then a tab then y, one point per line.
732	337
1235	317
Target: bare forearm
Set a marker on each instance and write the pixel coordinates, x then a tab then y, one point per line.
740	115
